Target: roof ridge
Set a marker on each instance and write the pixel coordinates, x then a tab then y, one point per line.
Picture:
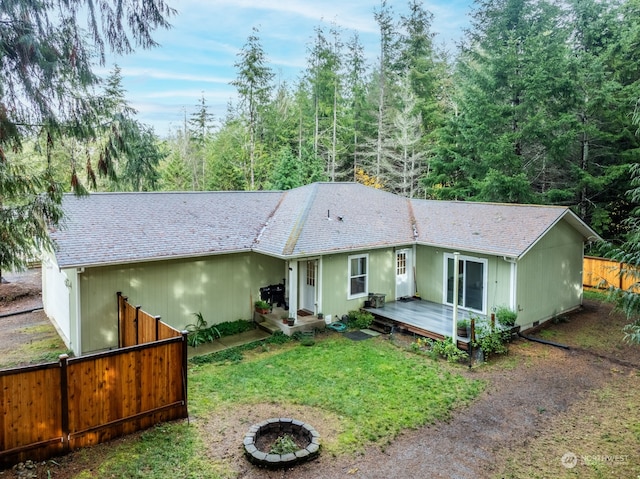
300	221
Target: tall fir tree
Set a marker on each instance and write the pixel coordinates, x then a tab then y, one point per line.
253	83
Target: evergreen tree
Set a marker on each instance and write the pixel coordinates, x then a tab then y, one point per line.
200	126
226	157
628	253
287	173
253	84
356	99
46	82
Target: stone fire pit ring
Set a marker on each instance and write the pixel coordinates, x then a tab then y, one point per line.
281	426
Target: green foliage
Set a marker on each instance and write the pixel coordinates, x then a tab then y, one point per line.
200	332
463	323
261	304
506	316
491	341
166	450
24	213
360	319
284	444
376	389
229	328
47	89
448	350
277	338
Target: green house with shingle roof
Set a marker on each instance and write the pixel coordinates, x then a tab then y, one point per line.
330	244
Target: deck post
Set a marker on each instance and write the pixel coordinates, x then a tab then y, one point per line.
456	273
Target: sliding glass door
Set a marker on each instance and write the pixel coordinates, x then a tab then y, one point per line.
472	282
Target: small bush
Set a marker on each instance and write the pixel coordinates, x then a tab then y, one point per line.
200	332
360	319
229	328
284	445
277	338
491	341
448	350
506	316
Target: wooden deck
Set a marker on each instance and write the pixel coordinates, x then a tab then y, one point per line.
431	320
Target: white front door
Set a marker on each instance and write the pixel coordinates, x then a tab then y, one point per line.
307	275
404	273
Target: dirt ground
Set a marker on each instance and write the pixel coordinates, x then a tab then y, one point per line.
531	394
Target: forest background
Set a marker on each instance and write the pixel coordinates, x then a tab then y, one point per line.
539	104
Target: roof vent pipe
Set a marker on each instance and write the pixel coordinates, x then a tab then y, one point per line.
328	215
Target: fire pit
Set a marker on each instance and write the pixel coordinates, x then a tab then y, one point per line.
281	442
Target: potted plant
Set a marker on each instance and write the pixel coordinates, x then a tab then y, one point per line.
507	318
291	321
463	328
285	318
262	307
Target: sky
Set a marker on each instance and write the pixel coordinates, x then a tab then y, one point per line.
196	57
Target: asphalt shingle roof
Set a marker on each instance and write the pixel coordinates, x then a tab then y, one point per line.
501	229
113	228
116	228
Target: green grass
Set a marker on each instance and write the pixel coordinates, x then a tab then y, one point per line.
375	388
372	388
167	450
595	294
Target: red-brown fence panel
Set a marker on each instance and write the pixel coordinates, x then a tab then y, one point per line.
31	418
132	389
53	408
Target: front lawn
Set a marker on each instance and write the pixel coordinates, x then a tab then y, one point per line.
371	388
375	388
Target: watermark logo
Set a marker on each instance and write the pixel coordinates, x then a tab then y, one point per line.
569	460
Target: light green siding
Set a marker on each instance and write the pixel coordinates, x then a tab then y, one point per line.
550	276
335	281
222	288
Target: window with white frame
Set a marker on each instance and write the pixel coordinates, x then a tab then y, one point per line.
358	275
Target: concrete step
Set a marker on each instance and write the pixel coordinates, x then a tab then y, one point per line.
268	326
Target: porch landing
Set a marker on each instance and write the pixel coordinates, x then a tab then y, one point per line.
272	322
424	318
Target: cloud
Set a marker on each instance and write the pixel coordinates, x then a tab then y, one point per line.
172	75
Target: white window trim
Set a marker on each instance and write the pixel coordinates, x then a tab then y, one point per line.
485	280
366	276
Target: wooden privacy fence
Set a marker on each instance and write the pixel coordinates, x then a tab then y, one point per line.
51	409
137	327
603	273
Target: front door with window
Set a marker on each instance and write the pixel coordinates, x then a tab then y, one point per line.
404	273
472	282
308	278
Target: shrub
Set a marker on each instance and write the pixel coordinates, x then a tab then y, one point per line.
229	328
491	341
448	350
360	319
506	316
284	445
200	332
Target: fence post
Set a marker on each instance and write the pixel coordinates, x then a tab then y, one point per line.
137	324
184	372
64	401
157	325
119	298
